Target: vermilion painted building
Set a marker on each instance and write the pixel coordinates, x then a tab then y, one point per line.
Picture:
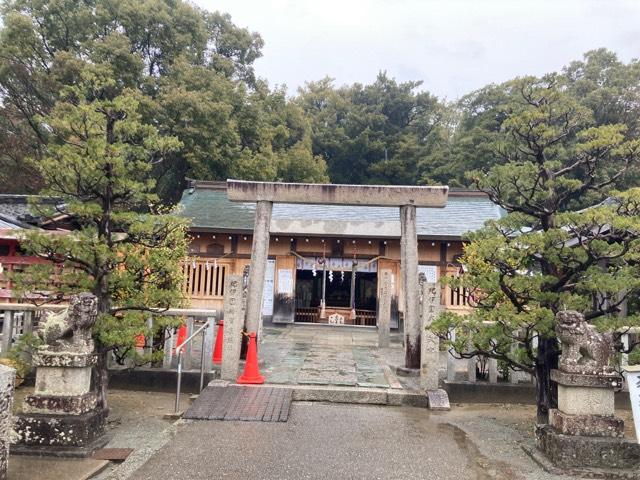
15	218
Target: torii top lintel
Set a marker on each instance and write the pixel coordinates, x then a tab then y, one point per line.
337	194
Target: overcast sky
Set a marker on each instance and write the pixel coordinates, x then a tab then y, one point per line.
454	46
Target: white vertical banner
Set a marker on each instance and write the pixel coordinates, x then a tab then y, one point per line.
267	296
633	380
285	281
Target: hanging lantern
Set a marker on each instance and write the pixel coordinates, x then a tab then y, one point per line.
342	276
206	265
313	270
330	276
215	263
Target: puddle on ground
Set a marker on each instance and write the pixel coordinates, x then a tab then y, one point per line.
484	468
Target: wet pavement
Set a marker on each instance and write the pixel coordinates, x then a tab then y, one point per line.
316	355
320	441
326	441
323	441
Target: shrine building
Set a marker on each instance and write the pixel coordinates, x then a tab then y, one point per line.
323	260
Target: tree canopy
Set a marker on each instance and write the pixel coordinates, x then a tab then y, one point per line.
606	89
124	248
549	254
194	72
377	133
192	69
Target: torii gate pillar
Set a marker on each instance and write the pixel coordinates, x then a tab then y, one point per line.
409	274
259	259
405	197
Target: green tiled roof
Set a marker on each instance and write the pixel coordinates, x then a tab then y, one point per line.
210	209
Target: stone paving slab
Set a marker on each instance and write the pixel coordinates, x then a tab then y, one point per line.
303	355
241	403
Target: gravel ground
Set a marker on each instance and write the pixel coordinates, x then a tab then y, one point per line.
137	421
497	431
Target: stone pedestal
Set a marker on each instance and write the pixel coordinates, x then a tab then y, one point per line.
384	310
583	431
61	418
233	320
586	405
7	384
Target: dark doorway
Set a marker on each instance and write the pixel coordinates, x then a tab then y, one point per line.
338	293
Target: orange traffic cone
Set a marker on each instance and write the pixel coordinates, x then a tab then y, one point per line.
251	373
182	335
217	351
140	341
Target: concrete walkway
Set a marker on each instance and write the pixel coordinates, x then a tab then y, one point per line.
324	355
320	441
331	441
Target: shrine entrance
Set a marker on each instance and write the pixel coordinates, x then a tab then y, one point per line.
406	198
348	297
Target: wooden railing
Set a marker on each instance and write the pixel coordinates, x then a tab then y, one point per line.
204	279
13	264
18	319
456	299
312	315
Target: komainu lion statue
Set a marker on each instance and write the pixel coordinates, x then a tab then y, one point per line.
70	330
584	349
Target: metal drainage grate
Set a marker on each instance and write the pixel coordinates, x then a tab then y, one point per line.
235	402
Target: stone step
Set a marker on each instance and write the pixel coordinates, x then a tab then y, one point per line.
355	395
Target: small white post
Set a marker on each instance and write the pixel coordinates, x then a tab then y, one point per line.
624	361
633	380
492	365
209	339
188	349
168	350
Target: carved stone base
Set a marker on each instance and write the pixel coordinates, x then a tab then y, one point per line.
62	452
586	425
575	451
66	432
60	404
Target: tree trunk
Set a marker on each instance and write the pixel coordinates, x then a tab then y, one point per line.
546	390
101	370
102	379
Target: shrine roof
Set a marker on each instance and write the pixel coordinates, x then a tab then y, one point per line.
209	208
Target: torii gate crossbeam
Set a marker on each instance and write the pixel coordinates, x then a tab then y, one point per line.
407	198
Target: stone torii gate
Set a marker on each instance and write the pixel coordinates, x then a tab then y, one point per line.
407	198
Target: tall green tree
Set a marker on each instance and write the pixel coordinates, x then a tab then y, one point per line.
546	255
600	82
197	82
230	130
375	133
125	248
